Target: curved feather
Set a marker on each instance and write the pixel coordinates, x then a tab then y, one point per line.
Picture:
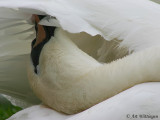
140	100
136	22
16	34
13	78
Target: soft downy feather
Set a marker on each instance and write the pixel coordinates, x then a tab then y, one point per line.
137	100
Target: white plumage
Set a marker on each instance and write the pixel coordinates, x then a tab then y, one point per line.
69	80
140	100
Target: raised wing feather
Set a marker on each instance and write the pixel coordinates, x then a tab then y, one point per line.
16	35
136	22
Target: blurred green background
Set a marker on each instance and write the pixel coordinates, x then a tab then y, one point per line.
7	109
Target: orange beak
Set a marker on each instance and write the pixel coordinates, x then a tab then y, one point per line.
41	34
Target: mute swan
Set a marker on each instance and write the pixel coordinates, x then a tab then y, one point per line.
69	80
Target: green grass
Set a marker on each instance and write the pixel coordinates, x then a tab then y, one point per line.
7	109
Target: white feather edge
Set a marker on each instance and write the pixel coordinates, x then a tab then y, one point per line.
136	22
134	101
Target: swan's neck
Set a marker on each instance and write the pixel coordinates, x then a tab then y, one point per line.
71	81
61	59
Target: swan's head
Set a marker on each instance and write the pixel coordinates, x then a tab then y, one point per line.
43	35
